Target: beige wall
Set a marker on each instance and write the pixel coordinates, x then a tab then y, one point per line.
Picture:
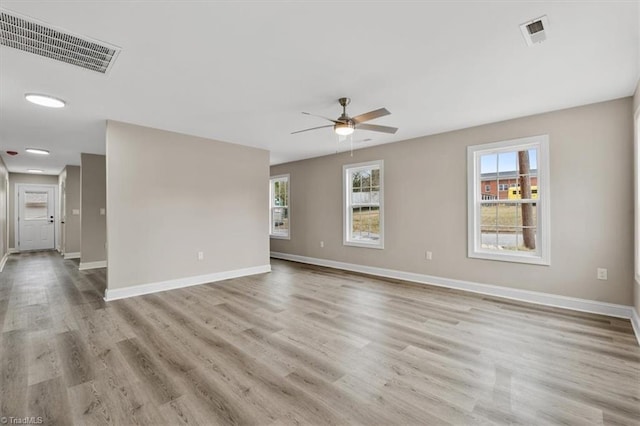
4	205
16	178
70	179
591	149
170	196
93	189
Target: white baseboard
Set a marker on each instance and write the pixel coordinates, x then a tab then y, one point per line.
635	322
13	250
4	261
71	256
575	304
92	265
138	290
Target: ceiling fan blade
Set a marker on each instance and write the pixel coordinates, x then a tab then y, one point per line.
371	115
376	128
313	128
326	118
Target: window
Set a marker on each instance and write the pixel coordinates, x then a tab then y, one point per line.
487	188
35	205
637	194
514	226
503	187
279	212
363	205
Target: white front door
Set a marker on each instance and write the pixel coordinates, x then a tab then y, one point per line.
35	217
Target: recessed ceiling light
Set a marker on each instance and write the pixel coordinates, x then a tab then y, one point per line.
37	151
44	100
35	171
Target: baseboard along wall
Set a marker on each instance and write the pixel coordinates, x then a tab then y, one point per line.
3	261
92	265
546	299
75	255
635	322
139	290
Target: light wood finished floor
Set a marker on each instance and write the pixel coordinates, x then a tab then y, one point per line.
302	345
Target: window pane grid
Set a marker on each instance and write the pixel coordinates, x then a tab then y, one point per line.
279	207
505	221
363	215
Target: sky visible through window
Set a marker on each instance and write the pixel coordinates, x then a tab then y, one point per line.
506	161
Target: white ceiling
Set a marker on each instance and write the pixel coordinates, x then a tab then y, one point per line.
242	72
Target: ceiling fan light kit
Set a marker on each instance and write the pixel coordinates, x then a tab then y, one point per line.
345	125
344	129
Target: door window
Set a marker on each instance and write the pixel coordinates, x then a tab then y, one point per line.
36	205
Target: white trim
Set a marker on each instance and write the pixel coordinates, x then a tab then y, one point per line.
636	193
346	205
13	250
282	237
572	303
635	322
138	290
75	255
3	261
286	176
92	265
474	243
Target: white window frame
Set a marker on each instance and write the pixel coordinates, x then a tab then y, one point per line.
272	179
347	170
636	172
542	255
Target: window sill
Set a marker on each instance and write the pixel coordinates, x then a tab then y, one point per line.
510	257
378	246
280	237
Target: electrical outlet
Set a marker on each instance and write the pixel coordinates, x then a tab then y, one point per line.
321	244
428	255
601	273
200	255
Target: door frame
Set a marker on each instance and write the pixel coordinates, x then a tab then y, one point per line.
56	212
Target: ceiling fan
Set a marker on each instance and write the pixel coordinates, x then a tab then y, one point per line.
345	125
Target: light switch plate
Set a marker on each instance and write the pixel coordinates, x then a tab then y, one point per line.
75	211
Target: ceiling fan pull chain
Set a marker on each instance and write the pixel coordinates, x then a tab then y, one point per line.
351	142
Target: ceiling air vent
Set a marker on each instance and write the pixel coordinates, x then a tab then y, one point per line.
535	31
29	35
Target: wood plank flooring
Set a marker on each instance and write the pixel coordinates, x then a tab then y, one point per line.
302	345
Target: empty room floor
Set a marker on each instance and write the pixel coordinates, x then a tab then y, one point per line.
303	345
